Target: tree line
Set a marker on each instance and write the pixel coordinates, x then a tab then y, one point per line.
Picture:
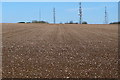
70	22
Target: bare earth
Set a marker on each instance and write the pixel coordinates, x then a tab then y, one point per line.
59	51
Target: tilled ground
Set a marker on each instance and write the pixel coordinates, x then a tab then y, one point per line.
59	51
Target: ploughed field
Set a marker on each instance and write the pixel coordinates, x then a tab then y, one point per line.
59	50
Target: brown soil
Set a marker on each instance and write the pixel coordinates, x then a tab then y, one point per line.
59	51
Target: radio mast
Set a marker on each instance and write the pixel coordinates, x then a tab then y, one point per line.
39	14
106	15
54	15
80	13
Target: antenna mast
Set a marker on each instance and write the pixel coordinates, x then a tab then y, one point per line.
80	13
54	15
39	15
106	16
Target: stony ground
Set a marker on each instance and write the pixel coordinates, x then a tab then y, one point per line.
59	51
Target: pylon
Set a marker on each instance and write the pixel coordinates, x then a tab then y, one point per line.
106	15
80	13
54	15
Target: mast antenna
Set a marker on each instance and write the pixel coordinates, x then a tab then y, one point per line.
80	13
39	14
54	15
106	15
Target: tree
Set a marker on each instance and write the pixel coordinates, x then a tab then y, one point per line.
35	21
21	22
84	22
71	22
